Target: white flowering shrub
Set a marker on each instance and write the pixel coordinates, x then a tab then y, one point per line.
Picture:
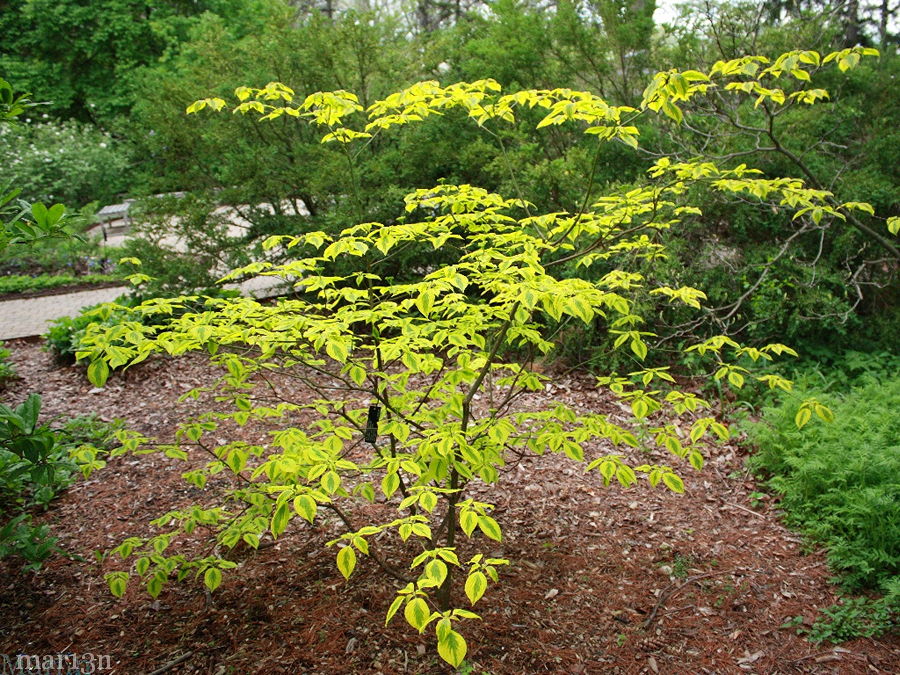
67	162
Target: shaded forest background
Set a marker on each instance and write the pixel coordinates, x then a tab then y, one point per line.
116	76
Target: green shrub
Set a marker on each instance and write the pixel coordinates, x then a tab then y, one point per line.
21	284
193	270
32	543
65	333
840	372
7	370
37	462
22	481
858	617
840	483
65	162
89	430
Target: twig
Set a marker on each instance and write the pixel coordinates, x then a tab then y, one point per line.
171	664
816	655
744	508
670	591
383	564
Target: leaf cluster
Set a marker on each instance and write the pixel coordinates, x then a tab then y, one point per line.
414	398
37	462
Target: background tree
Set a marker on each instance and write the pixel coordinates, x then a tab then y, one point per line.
82	54
771	276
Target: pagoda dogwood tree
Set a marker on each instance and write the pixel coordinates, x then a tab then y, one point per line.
414	383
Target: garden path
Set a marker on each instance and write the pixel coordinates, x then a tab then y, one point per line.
29	317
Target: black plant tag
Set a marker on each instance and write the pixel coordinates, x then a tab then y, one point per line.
372	424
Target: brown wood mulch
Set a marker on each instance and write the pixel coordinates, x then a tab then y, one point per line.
603	580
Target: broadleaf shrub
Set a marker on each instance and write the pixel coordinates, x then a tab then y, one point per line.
37	462
410	386
70	162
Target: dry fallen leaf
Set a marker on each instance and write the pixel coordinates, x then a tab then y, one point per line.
751	658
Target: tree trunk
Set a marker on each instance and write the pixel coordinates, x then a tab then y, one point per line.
851	24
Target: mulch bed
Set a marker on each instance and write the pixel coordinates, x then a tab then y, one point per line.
603	580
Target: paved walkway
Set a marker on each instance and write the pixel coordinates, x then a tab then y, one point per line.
31	316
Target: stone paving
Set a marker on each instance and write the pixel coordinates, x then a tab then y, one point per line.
31	316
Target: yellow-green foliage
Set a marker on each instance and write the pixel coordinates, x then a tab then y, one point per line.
420	371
